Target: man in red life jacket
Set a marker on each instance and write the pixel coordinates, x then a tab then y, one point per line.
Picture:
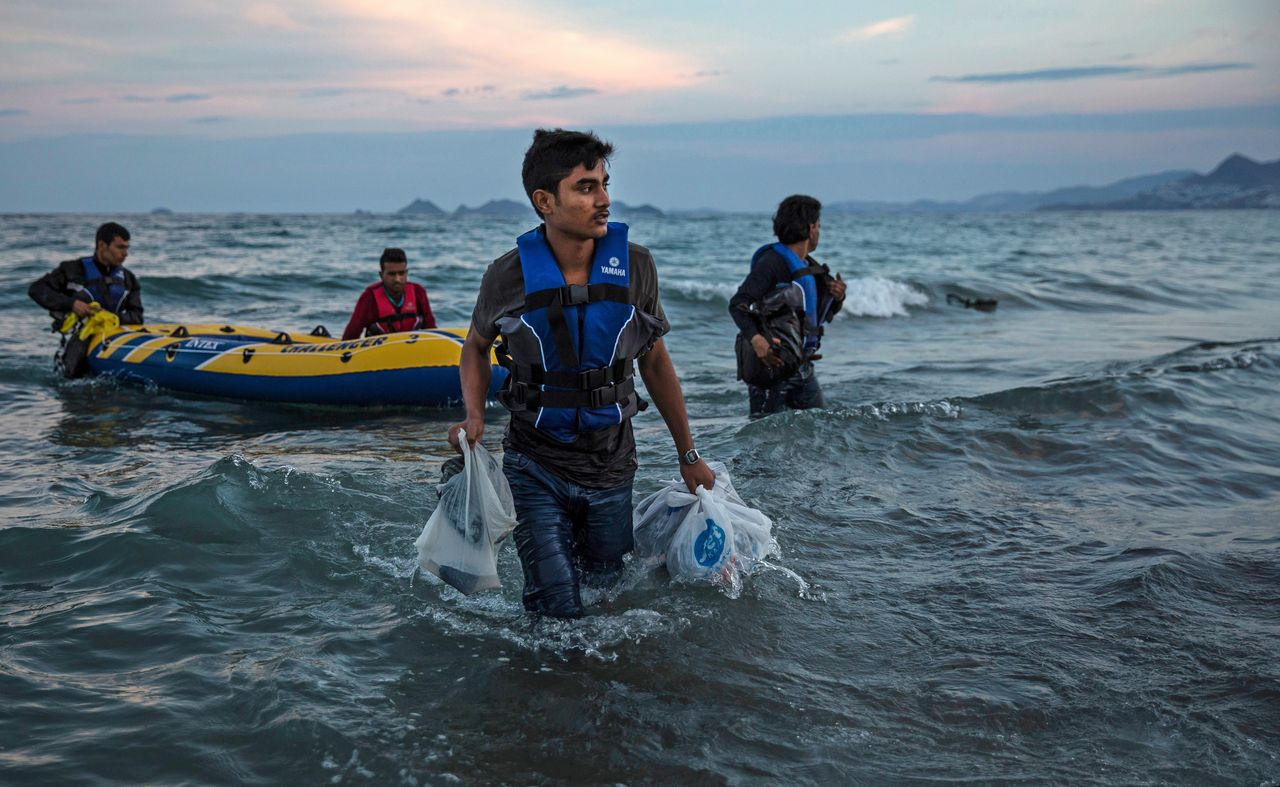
391	304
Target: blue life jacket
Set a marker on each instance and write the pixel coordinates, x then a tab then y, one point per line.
570	351
109	291
804	285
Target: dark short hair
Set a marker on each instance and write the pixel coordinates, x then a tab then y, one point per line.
108	232
795	214
391	255
553	155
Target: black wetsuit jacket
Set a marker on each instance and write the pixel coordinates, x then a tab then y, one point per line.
54	292
770	271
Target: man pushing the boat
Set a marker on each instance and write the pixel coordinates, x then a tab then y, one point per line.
87	285
575	306
391	304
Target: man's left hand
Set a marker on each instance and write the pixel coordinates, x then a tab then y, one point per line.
696	475
836	287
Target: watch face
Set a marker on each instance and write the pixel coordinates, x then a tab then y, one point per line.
691	456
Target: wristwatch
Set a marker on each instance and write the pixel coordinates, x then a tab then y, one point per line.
690	457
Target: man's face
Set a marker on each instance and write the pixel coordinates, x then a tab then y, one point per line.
112	254
580	208
815	232
394	275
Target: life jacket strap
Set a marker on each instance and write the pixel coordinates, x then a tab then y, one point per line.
577	295
532	398
556	298
534	374
809	270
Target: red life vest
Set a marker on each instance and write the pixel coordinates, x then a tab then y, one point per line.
407	317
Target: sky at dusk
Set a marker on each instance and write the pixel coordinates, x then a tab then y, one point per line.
333	105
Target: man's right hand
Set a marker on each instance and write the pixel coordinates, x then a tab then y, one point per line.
84	309
474	427
765	352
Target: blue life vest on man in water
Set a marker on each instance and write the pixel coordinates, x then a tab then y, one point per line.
570	352
801	292
109	291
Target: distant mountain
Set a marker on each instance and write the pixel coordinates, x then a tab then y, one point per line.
506	208
1004	201
503	208
623	211
1238	182
421	207
161	212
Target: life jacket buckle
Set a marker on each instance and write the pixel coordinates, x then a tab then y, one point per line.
574	295
599	397
592	379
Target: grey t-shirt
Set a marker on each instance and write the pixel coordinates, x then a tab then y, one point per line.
602	458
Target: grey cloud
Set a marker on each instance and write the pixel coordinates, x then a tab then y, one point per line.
76	101
560	91
1200	68
138	99
13	112
182	98
324	92
1092	72
454	92
209	120
1044	74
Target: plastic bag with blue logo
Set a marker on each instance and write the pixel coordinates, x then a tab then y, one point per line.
656	518
704	547
475	513
660	515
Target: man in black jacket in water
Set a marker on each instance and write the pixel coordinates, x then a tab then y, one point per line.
800	294
87	285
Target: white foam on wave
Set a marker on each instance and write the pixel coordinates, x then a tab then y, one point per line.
703	290
876	296
868	296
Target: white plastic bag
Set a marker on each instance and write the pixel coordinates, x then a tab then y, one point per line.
476	512
684	531
655	521
703	546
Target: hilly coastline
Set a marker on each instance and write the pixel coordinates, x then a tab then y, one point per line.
507	208
1239	182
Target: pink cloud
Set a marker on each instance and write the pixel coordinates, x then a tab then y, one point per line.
898	24
503	43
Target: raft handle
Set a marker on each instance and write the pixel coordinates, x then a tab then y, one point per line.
282	338
321	331
346	356
248	353
227	329
180	332
170	352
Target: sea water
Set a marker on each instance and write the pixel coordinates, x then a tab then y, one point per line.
1035	544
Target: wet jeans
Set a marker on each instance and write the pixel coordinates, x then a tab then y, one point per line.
565	534
800	391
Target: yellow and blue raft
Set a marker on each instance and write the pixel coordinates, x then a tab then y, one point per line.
239	362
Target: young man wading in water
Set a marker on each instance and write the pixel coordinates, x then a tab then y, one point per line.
574	304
